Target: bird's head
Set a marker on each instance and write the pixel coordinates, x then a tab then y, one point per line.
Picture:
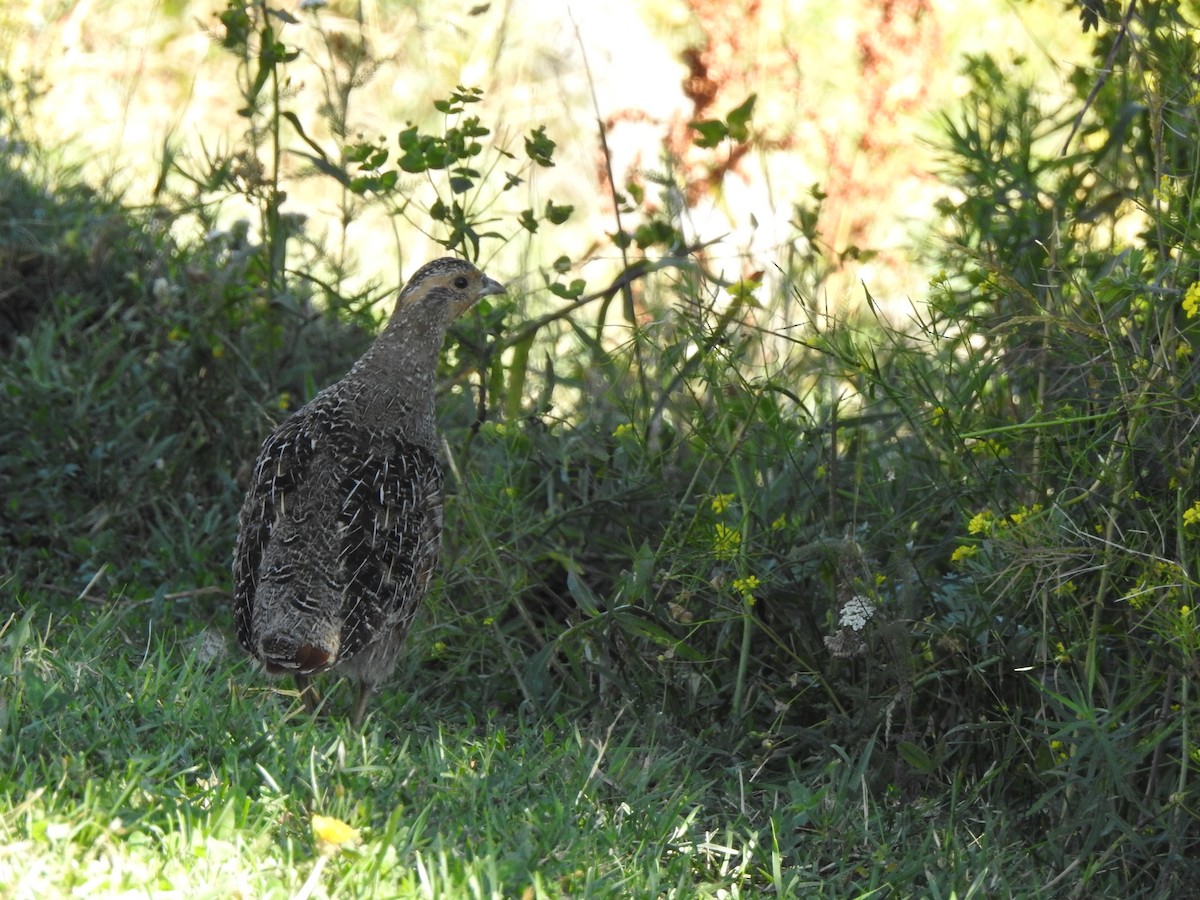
449	282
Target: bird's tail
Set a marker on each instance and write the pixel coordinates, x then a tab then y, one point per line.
294	634
283	653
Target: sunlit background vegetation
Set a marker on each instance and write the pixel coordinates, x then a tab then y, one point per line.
824	501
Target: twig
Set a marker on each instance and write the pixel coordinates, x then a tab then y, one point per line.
99	573
639	269
627	294
1104	73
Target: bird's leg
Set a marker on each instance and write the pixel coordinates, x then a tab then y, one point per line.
365	689
308	693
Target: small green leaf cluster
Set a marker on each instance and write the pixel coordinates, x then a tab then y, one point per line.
451	198
734	127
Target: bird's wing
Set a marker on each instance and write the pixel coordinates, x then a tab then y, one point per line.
389	532
283	465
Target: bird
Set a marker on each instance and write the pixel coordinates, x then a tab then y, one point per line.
339	531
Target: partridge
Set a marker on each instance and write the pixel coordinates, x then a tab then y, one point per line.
340	528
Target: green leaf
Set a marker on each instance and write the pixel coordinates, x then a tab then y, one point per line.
739	119
540	148
518	372
638	623
569	292
283	16
471	128
438	157
357	153
712	132
656	231
295	121
260	79
409	138
637	581
916	757
413	163
237	28
325	167
582	594
558	214
467	94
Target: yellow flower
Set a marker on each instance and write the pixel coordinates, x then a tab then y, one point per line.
720	502
745	587
780	523
623	429
966	551
1191	515
743	291
1191	300
726	541
332	833
981	523
1164	191
1024	512
284	401
990	447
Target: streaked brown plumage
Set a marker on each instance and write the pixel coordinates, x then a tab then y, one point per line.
340	528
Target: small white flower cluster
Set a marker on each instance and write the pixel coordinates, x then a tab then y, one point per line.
856	613
163	290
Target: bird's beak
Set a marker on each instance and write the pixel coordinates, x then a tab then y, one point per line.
490	287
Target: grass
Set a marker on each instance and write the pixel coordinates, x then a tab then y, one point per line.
154	763
137	764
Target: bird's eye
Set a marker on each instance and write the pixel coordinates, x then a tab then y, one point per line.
461	282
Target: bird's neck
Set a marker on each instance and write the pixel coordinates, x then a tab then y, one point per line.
396	375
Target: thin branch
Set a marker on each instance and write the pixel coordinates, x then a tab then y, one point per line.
1122	33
